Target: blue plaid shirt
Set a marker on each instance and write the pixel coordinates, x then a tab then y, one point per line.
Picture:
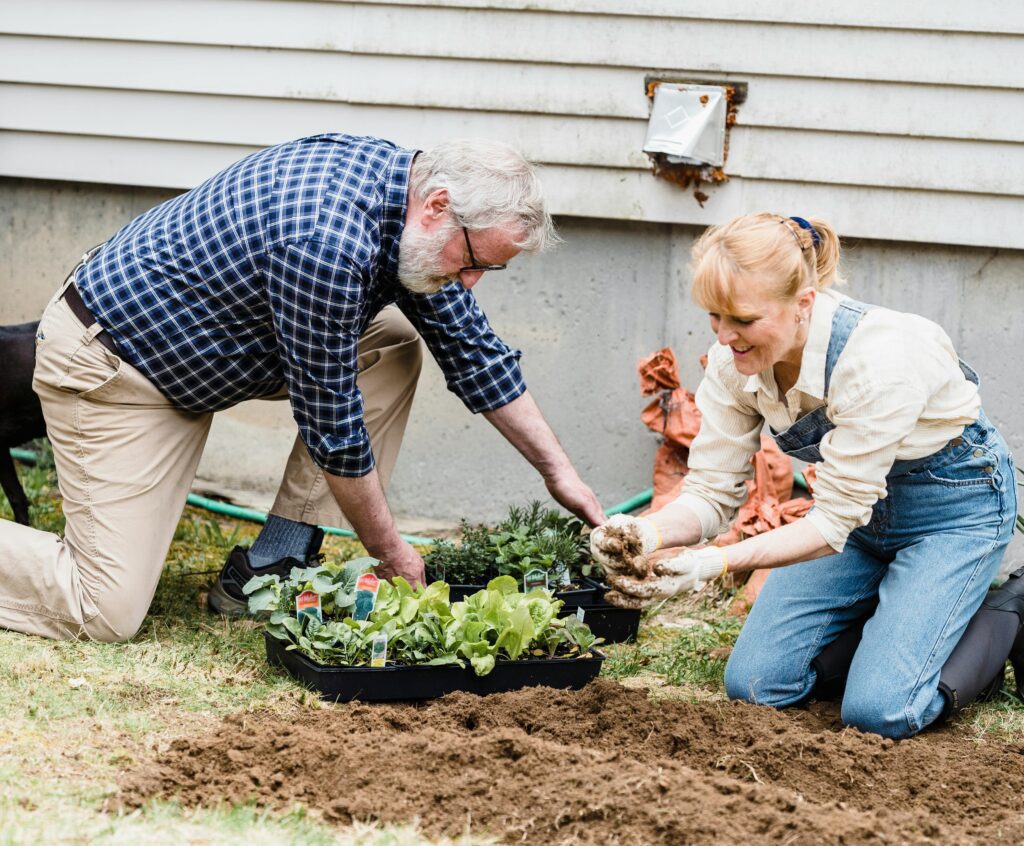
268	273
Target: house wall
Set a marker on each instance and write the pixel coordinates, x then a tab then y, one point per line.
583	315
897	121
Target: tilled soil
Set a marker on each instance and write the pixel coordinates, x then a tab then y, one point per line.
604	765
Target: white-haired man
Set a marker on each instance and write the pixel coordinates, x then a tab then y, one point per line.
272	279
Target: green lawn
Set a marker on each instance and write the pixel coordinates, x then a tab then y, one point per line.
78	714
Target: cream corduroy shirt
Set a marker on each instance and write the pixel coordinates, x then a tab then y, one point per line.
896	393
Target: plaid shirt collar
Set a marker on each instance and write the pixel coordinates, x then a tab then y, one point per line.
395	208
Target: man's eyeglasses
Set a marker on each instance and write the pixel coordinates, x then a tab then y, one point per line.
473	264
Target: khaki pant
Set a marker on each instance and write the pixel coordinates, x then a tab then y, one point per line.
125	461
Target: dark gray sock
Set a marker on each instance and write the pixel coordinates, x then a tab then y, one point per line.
280	538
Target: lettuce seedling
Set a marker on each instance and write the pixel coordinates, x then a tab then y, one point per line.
422	627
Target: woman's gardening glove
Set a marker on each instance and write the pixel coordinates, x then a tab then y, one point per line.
688	571
622	545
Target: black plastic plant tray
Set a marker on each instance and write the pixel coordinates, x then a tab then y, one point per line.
571	598
614	624
388	684
600	589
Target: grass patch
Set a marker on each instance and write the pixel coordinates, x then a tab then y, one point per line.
77	714
687	651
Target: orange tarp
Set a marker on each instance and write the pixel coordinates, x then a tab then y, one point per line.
675	417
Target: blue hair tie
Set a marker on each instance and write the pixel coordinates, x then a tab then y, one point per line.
803	224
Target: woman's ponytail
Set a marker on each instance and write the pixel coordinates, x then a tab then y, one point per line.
826	254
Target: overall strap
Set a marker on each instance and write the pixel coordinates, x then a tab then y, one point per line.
847	315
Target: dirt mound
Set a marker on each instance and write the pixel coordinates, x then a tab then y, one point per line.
604	765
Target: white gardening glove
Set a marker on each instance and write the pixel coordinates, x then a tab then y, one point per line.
623	543
688	571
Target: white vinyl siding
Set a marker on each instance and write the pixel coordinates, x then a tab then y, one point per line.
896	121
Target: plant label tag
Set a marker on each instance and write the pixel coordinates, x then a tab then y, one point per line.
535	578
366	595
560	575
307	604
379	650
580	613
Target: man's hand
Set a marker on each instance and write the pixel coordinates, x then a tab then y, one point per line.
682	573
403	561
573	495
362	501
622	545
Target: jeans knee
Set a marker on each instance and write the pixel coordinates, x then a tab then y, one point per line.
404	349
871	712
412	351
747	683
761	682
738	684
393	329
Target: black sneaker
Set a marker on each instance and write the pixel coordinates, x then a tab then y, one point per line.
226	596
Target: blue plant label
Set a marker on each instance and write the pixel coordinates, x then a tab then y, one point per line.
307	604
535	578
379	650
580	613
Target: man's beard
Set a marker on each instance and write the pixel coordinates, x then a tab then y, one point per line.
420	261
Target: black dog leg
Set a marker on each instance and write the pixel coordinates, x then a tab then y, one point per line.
12	487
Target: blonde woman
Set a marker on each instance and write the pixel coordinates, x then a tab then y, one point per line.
914	499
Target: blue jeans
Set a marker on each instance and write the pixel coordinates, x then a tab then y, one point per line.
929	553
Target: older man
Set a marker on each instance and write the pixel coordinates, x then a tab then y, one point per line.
271	279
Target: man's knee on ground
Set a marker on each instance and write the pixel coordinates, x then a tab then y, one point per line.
115	623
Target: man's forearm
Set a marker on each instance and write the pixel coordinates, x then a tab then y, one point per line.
677	524
523	426
362	501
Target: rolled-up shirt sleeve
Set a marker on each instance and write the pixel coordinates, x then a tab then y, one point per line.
478	367
720	456
857	455
315	297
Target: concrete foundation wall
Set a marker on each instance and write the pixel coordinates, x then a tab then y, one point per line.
583	315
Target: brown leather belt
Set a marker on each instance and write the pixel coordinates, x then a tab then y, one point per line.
81	311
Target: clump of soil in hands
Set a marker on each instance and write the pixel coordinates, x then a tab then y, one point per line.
623	544
603	765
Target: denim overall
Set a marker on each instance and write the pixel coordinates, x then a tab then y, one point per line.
930	551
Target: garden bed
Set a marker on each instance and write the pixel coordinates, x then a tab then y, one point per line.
603	765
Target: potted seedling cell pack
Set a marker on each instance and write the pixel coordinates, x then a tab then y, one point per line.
536	546
539	547
349	635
